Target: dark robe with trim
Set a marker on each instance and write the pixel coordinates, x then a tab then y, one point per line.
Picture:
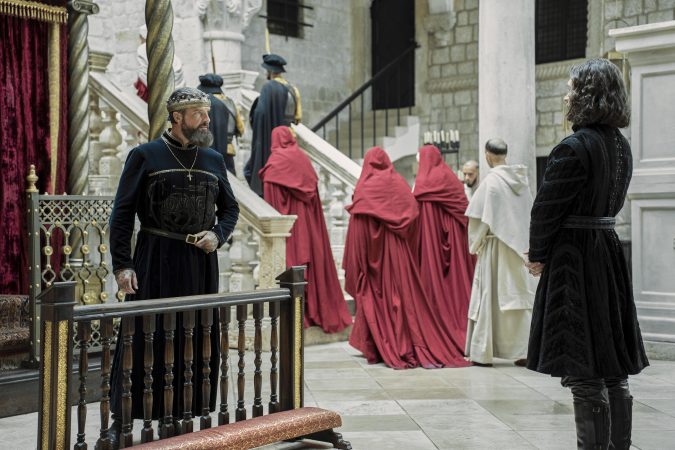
446	266
291	187
584	321
395	321
155	187
220	117
267	115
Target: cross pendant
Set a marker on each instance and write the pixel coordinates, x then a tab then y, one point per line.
189	177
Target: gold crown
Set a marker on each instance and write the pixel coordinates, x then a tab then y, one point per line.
187	97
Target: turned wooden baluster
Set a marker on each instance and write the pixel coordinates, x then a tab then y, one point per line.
83	337
128	328
242	312
206	322
188	359
148	361
166	428
274	348
106	330
225	315
258	311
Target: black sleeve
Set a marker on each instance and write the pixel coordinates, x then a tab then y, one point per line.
124	211
564	177
227	208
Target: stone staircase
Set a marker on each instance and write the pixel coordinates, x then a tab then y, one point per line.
397	131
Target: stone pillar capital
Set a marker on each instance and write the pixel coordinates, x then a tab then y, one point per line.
83	6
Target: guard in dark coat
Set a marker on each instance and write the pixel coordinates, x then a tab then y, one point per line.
278	105
178	189
584	325
226	122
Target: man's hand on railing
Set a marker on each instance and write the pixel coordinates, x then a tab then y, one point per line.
127	281
208	241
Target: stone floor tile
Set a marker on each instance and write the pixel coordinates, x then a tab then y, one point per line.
528	422
648	440
662	405
342	384
362	407
389	440
332	364
409	382
653	421
426	394
502	393
525	407
653	392
551	440
350	394
470	439
451	406
474	421
378	423
337	373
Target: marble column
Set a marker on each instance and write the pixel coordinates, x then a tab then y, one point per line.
224	24
506	80
651	54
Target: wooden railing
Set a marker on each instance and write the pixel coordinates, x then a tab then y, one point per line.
60	312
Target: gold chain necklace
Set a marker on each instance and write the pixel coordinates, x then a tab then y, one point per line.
189	171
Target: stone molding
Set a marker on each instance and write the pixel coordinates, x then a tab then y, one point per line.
453	84
555	70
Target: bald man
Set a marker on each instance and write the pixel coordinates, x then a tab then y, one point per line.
470	172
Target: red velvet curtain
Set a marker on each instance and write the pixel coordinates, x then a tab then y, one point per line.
25	134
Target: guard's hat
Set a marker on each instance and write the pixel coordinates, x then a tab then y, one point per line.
210	83
274	63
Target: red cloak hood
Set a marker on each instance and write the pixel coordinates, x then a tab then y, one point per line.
383	194
436	182
289	165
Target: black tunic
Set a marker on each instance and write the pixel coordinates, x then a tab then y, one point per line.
156	188
584	321
268	114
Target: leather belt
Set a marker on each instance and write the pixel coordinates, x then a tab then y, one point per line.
188	238
589	223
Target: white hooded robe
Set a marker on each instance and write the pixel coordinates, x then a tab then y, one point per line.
502	295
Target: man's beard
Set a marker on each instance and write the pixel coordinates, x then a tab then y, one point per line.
198	137
470	183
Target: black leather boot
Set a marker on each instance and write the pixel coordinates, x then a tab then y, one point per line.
593	424
621	410
114	431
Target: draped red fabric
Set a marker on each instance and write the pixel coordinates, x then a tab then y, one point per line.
395	321
24	135
291	187
446	266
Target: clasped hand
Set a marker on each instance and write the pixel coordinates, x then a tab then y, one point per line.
535	268
208	241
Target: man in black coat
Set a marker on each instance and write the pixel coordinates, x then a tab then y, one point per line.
278	105
226	122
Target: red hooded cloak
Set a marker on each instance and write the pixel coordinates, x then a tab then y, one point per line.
290	186
394	322
446	266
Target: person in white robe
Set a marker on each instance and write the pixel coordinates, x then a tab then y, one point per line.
502	294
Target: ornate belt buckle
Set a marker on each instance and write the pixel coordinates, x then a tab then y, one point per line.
191	238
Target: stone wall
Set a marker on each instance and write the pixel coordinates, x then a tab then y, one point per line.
447	96
319	62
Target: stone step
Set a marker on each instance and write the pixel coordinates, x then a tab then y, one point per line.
316	336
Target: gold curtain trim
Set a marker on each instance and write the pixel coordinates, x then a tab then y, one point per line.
33	10
54	100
